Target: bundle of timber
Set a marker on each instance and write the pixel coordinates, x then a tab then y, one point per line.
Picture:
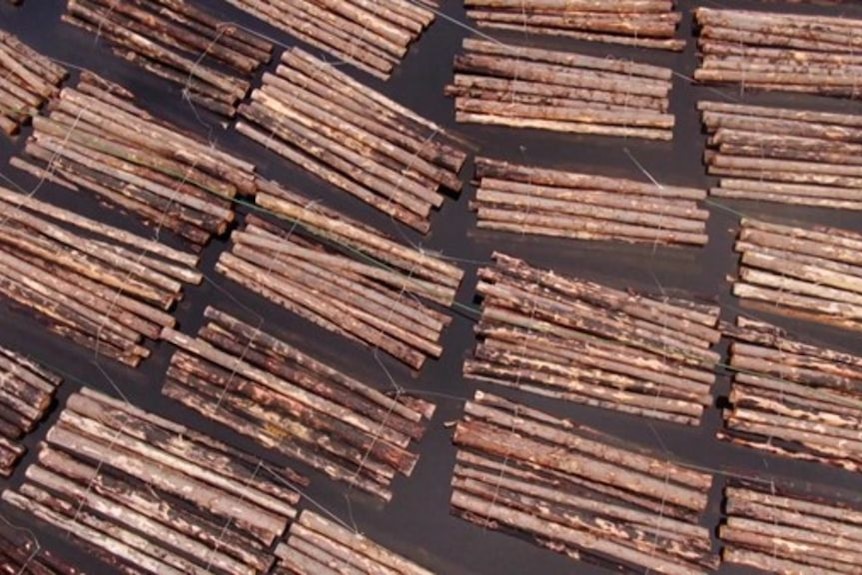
780	51
533	200
95	138
354	138
174	39
260	386
643	23
27	80
147	495
319	546
779	529
793	398
808	272
21	553
584	342
790	156
578	491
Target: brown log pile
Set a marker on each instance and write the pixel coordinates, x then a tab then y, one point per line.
643	23
793	398
151	496
27	80
21	553
319	546
180	42
522	87
779	529
810	272
780	52
533	200
578	491
790	156
580	341
354	138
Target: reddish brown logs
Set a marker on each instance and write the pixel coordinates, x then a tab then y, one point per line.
21	552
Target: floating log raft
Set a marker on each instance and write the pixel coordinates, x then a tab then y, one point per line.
27	80
780	52
21	553
533	200
522	87
791	156
354	138
176	40
578	491
99	286
812	273
579	341
152	496
643	23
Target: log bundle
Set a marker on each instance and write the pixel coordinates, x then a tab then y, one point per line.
265	388
580	341
780	51
778	529
793	398
790	156
578	491
319	546
96	285
147	495
646	24
21	553
810	272
354	138
533	200
180	42
27	80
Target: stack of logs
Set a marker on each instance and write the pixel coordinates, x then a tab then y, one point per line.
793	398
264	388
95	138
212	61
27	80
533	200
780	51
97	285
523	87
26	392
584	342
146	494
343	276
318	546
791	156
808	272
779	529
21	552
354	138
643	23
577	491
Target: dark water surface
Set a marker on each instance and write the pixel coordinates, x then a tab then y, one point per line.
417	522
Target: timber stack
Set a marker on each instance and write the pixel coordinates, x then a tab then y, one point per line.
642	23
319	546
27	80
533	200
99	286
523	87
264	388
780	51
578	491
793	398
96	139
354	138
812	272
21	552
780	529
789	156
212	61
344	276
567	338
147	495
